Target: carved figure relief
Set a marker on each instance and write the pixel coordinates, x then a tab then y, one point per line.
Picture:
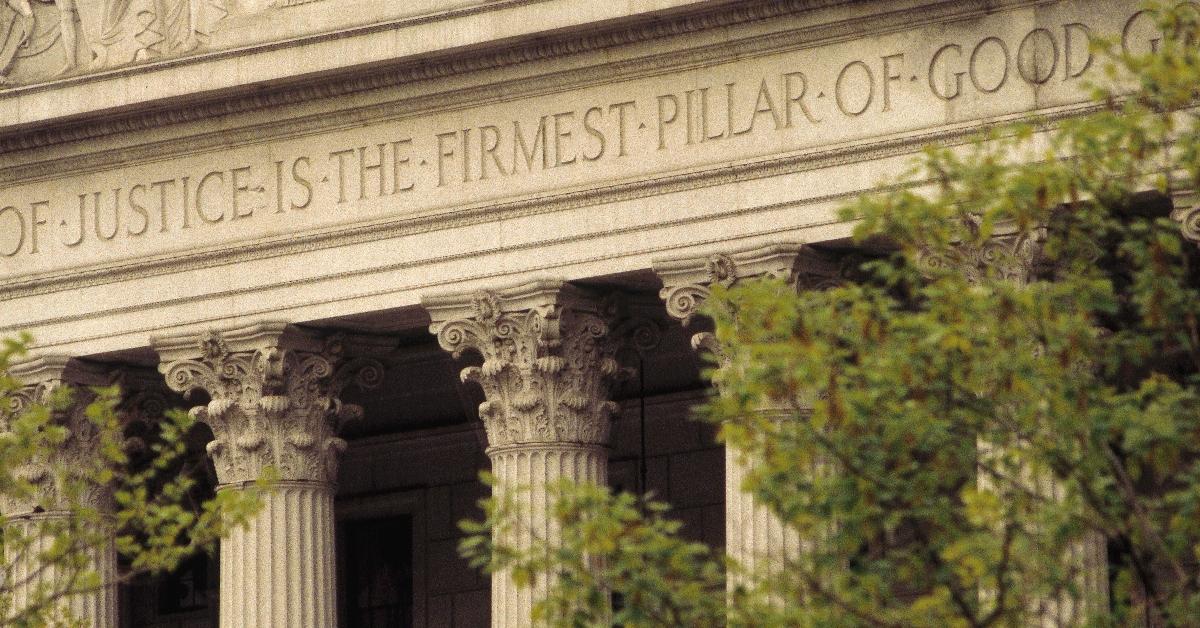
30	28
43	39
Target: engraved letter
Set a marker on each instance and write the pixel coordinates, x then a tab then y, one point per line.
220	176
729	110
689	117
138	209
1068	29
305	183
594	132
788	92
764	104
933	71
82	230
973	67
664	119
704	135
20	230
489	141
562	138
341	156
521	148
162	202
444	151
116	215
466	150
1031	56
278	187
239	187
1127	31
890	75
187	201
621	107
34	222
364	167
840	97
397	162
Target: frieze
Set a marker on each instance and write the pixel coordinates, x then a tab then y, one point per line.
741	111
43	40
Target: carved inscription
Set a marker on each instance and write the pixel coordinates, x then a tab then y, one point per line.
741	110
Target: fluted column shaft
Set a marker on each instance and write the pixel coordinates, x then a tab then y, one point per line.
95	609
279	569
274	404
535	470
1015	256
754	536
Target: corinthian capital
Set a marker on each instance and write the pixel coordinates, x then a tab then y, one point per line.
688	281
549	358
1009	254
273	393
40	377
1186	211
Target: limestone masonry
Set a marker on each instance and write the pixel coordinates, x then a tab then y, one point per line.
256	200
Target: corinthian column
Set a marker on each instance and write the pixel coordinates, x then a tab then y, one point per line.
549	360
50	511
758	541
1016	257
274	404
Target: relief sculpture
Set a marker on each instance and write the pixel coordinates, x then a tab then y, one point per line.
16	24
27	34
44	39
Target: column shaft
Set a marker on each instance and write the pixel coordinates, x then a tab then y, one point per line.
278	571
47	512
96	609
530	473
754	536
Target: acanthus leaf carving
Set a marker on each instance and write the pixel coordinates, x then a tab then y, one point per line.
273	399
549	359
688	282
71	461
1009	254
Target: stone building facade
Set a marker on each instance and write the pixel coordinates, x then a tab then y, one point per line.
312	215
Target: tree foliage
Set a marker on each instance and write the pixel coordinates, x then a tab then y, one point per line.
132	493
1013	384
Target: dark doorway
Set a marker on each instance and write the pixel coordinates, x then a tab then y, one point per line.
379	572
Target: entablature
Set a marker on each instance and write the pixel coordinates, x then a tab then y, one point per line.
583	155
